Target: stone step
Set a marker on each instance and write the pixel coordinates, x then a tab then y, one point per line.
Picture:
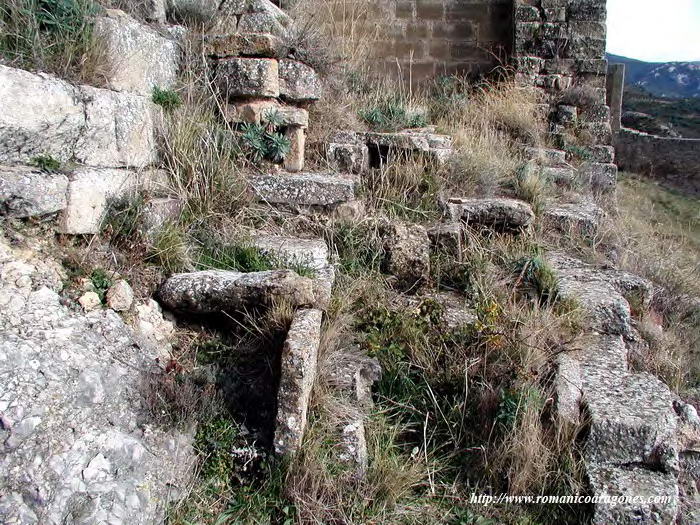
496	213
640	487
546	156
583	217
311	190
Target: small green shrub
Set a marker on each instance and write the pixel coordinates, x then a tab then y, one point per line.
263	143
392	114
101	282
168	99
535	273
46	163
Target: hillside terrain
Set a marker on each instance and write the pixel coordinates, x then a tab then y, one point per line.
247	278
680	116
662	79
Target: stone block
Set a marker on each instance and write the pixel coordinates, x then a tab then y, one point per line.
216	291
407	255
298	372
349	158
138	57
263	45
89	193
602	177
248	77
583	217
298	82
30	192
293	250
495	213
447	238
258	111
294	160
305	189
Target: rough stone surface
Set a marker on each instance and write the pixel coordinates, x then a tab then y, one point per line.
158	212
152	329
298	82
42	115
305	189
547	157
257	111
407	249
29	192
89	192
634	481
138	57
262	45
248	77
293	250
257	16
77	444
349	158
215	291
602	177
120	296
583	217
448	238
90	301
496	213
294	160
298	371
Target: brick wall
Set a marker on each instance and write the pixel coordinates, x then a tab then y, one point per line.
425	38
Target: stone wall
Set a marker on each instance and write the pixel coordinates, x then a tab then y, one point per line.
425	38
675	161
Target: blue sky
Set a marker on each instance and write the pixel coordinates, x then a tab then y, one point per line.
654	30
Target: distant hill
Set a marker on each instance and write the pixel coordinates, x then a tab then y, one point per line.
663	79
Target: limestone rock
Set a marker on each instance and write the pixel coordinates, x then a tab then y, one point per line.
248	77
305	189
120	296
89	192
262	16
29	192
262	45
42	115
407	254
293	250
159	212
297	375
39	115
90	301
76	444
583	217
215	291
138	57
634	482
497	213
258	111
602	177
294	160
447	238
152	329
350	212
202	11
350	158
545	156
298	82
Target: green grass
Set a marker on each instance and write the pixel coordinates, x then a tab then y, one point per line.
392	113
101	282
49	35
244	257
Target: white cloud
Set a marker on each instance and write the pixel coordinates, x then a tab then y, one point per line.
654	30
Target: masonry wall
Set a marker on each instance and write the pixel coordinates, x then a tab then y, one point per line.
426	38
673	161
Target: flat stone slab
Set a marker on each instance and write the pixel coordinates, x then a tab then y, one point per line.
545	156
634	482
495	213
299	366
28	192
583	217
305	189
262	45
247	77
215	291
298	82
